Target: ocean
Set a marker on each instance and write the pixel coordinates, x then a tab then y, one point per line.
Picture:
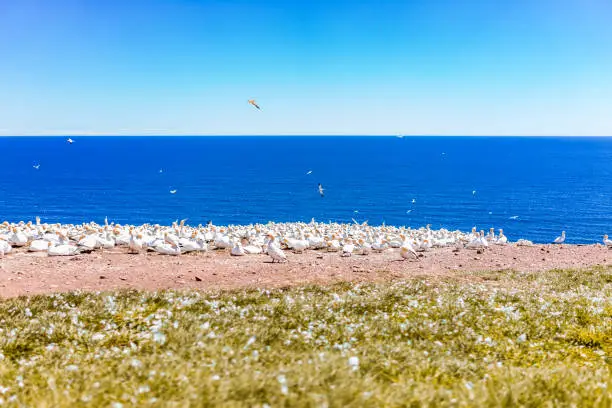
531	187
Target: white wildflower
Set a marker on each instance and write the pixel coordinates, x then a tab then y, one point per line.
283	382
215	377
159	337
354	363
143	389
4	390
72	367
136	363
249	342
28	312
97	337
522	338
117	405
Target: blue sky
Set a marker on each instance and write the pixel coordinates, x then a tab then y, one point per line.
434	67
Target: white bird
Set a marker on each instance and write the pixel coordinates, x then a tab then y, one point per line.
62	250
167	249
172	191
407	251
38	245
607	242
275	252
69	140
321	190
36	166
309	172
561	239
136	244
502	239
413	200
514	217
5	248
348	248
237	250
473	192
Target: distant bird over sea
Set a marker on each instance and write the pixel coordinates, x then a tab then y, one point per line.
36	166
321	190
473	192
69	140
309	172
172	191
514	217
252	102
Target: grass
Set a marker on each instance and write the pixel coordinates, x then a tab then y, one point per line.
513	340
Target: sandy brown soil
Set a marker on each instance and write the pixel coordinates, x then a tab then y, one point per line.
23	273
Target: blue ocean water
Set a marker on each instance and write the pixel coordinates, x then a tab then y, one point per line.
550	184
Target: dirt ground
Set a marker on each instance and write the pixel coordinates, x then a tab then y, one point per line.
23	273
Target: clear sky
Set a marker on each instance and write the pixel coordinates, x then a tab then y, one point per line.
435	67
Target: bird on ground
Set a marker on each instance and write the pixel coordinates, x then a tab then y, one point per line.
607	242
407	251
274	251
348	248
561	239
321	190
62	250
237	250
252	102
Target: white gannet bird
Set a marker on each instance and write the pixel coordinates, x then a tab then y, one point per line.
407	251
173	191
250	248
348	248
69	140
38	245
274	251
561	239
136	244
502	239
167	249
18	238
321	190
607	242
62	250
364	248
5	248
237	250
36	166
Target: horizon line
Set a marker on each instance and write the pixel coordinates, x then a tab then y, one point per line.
399	136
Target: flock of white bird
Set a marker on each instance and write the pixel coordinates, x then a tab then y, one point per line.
273	239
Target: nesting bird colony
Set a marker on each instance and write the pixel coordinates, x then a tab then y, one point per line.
273	239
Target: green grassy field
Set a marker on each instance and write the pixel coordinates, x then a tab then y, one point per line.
494	339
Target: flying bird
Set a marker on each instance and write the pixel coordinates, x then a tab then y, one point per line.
473	192
309	172
413	200
69	140
514	217
36	166
252	102
172	191
321	190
